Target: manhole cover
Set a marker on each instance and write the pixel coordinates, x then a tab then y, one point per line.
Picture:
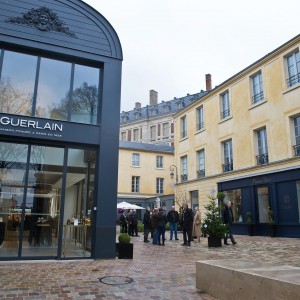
116	280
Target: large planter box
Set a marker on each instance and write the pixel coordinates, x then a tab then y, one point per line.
214	241
124	251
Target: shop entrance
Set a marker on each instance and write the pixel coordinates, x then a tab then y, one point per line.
46	200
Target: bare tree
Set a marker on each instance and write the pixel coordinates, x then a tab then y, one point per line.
14	101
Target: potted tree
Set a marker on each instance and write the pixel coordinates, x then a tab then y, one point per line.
124	247
249	223
272	224
221	196
212	225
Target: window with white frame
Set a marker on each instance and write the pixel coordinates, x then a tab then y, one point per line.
262	147
201	163
257	88
293	68
159	185
135	159
297	136
165	127
135	184
152	133
184	170
123	136
166	108
135	135
183	127
199	118
178	105
225	105
228	157
159	161
152	112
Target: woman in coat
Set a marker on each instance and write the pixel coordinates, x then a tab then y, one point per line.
197	224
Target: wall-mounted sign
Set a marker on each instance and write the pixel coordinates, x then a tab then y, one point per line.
31	127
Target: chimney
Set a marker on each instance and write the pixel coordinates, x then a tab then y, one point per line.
138	105
153	97
208	82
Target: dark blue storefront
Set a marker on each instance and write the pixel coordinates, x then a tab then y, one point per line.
271	197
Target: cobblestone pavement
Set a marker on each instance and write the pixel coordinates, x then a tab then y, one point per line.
157	272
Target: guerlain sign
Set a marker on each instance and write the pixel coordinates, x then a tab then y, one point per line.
31	127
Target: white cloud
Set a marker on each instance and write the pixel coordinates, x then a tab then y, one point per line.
170	45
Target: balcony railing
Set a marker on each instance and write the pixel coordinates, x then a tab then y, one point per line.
227	167
200	125
201	173
184	177
297	150
293	80
225	113
183	134
258	97
262	159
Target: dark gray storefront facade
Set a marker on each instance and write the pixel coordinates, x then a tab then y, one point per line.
276	191
60	81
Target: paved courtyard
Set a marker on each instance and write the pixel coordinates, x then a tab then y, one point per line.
156	272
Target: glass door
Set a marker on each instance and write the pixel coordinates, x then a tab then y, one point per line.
13	158
263	203
42	204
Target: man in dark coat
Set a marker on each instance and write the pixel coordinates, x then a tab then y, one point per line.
173	219
123	222
147	224
187	224
228	220
161	224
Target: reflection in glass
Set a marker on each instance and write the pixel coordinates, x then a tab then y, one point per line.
235	197
12	174
17	83
85	95
263	204
54	85
43	202
77	234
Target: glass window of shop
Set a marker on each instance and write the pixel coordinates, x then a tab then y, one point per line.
17	83
48	88
31	185
235	196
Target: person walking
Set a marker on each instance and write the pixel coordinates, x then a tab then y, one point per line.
187	224
197	224
228	220
173	219
147	224
161	224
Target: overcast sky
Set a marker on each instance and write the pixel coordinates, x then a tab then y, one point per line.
169	45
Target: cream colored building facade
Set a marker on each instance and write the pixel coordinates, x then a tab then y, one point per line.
144	174
243	137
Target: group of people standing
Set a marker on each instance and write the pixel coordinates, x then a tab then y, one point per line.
157	221
129	222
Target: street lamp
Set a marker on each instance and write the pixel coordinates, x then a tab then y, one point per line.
172	169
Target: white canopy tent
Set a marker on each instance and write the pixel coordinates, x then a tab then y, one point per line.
126	205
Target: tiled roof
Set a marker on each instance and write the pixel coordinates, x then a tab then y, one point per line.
146	147
163	108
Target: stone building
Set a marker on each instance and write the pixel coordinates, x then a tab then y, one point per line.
243	138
